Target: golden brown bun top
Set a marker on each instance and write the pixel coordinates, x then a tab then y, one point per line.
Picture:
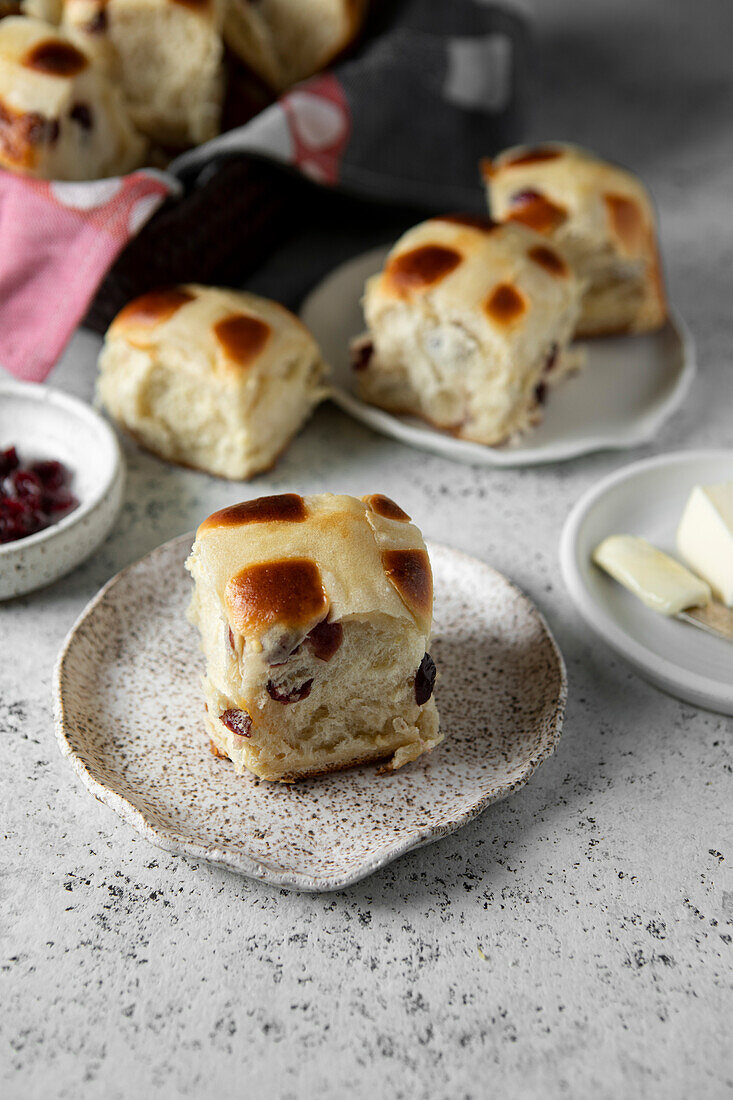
546	186
142	314
494	276
55	57
291	561
288	593
228	333
284	507
522	155
38	47
385	506
195	5
40	70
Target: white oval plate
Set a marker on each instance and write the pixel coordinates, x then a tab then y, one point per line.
628	388
128	715
43	422
647	499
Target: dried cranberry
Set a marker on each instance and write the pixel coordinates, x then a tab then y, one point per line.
293	696
97	24
12	508
82	114
361	354
551	360
10	530
51	473
238	721
43	130
32	496
425	680
16	519
62	501
9	461
527	195
325	639
27	485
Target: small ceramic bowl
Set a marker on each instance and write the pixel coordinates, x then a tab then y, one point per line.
45	423
647	498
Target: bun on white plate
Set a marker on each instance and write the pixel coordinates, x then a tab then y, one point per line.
468	326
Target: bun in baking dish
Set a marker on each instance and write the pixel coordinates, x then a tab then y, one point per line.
285	41
60	118
468	324
216	379
601	215
166	54
315	616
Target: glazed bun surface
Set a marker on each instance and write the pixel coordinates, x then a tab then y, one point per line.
601	215
315	616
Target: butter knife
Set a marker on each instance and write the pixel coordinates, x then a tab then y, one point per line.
714	618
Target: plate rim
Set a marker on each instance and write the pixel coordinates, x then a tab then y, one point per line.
261	870
660	670
470	453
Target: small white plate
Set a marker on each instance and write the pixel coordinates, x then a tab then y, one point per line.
647	499
45	423
129	716
628	388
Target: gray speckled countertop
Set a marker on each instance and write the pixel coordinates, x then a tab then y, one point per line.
575	941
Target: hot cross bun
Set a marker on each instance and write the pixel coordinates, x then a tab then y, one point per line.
217	379
60	117
601	215
315	616
468	324
167	56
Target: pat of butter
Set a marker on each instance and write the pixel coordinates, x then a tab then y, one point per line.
658	580
705	537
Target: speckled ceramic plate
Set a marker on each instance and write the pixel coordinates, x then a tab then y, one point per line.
628	388
128	716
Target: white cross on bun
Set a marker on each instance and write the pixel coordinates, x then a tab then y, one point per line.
315	616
